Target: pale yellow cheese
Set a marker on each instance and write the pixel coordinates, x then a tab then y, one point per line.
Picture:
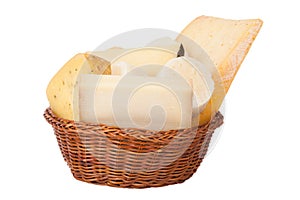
136	102
165	43
196	75
226	42
150	58
123	68
62	91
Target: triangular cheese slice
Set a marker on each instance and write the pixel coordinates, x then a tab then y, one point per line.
227	42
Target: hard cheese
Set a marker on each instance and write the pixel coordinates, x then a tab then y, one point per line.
196	75
135	101
167	43
62	91
226	42
123	68
150	58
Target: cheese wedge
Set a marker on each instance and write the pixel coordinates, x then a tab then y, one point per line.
136	102
62	91
227	42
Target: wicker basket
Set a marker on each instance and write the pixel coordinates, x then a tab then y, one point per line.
131	158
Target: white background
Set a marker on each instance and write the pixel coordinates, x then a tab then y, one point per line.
258	154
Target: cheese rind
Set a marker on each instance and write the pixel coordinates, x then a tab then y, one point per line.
227	42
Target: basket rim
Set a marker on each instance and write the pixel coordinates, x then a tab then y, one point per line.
218	117
136	136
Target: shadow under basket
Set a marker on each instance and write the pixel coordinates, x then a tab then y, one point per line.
130	157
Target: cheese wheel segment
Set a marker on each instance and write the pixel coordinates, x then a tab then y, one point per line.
226	42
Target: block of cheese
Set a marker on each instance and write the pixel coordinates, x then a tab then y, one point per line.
62	91
226	42
134	101
196	75
149	57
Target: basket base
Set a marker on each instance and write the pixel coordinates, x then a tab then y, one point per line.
134	184
121	179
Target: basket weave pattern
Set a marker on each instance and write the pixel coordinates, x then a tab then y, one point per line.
131	158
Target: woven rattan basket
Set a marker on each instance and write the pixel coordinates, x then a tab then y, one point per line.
131	158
